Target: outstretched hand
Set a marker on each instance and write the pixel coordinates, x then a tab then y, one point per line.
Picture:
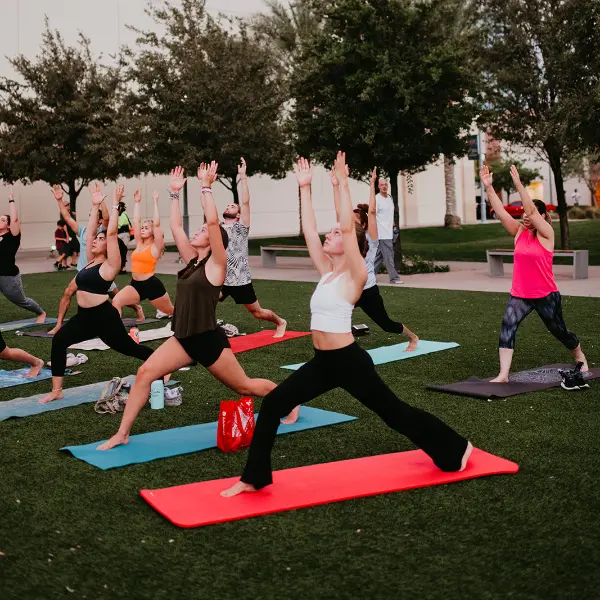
207	173
514	173
177	179
485	176
340	167
11	195
57	192
96	193
334	179
120	193
374	176
242	167
154	197
303	170
137	196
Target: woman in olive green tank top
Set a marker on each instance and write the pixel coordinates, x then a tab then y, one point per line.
197	337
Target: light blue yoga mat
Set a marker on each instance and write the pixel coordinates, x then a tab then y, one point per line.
25	407
14	325
387	354
185	440
17	377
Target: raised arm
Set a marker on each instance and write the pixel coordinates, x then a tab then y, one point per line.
15	225
92	227
207	175
63	208
110	269
159	234
245	199
511	225
105	215
303	170
372	215
186	250
336	193
544	228
137	217
354	259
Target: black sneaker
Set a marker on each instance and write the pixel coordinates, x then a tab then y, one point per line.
573	379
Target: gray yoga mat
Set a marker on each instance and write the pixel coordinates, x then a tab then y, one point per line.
14	325
532	380
127	322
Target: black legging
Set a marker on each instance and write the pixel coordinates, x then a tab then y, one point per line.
352	369
102	321
550	310
372	303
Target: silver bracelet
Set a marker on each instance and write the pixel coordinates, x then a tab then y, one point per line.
174	195
115	206
207	190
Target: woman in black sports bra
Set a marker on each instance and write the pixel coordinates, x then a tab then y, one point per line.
96	316
197	337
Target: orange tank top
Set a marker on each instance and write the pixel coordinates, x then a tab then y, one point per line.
143	261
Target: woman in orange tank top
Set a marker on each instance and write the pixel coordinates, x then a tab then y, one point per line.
144	285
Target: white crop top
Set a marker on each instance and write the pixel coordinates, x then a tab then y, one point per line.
330	312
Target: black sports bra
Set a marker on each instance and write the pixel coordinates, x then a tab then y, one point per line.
90	280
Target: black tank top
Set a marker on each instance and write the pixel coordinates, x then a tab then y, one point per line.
196	301
90	280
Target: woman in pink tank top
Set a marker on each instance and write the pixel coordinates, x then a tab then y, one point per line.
533	286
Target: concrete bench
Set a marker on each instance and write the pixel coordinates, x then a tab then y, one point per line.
268	254
580	261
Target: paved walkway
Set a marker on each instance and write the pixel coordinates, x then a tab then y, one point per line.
469	276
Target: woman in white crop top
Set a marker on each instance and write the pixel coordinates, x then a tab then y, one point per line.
339	361
370	300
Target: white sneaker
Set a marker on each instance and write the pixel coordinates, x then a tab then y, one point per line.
161	315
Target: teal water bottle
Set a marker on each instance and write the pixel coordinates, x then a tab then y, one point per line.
157	394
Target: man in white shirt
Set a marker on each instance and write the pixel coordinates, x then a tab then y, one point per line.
385	227
575	198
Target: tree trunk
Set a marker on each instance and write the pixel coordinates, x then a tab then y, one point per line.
393	172
554	157
451	219
234	189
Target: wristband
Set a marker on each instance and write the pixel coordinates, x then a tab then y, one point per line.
174	195
206	190
10	201
115	206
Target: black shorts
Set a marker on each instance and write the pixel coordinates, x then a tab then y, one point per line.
206	347
2	343
150	289
242	294
73	246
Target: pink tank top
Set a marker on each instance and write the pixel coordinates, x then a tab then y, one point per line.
532	273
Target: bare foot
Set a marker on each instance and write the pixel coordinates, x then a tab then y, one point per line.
499	379
239	488
412	344
41	318
280	329
167	377
53	395
55	329
35	369
140	317
292	417
119	439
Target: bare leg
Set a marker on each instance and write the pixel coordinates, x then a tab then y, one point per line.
264	314
128	296
139	311
579	356
18	355
63	306
163	304
167	358
56	393
506	356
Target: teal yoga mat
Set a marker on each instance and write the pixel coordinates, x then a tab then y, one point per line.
25	407
14	325
185	440
387	354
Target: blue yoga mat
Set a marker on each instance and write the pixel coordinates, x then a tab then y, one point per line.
185	440
387	354
17	377
14	325
25	407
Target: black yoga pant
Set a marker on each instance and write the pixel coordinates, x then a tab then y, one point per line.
102	321
352	369
550	310
372	304
2	343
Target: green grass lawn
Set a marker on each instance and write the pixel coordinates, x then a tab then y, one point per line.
65	524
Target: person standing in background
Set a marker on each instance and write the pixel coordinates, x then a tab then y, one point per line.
385	227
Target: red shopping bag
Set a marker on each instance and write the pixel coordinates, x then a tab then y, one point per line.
236	424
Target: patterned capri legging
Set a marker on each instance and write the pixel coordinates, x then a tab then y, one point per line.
548	308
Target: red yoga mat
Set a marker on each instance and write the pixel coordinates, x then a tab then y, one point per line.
197	504
262	338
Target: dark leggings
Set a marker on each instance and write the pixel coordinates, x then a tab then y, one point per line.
352	369
372	304
102	321
550	310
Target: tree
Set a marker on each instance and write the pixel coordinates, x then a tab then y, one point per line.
383	81
451	219
204	91
539	59
587	168
63	122
503	181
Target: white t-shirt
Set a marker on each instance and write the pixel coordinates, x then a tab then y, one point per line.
238	269
385	217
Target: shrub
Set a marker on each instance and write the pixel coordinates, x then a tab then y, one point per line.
576	212
592	212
